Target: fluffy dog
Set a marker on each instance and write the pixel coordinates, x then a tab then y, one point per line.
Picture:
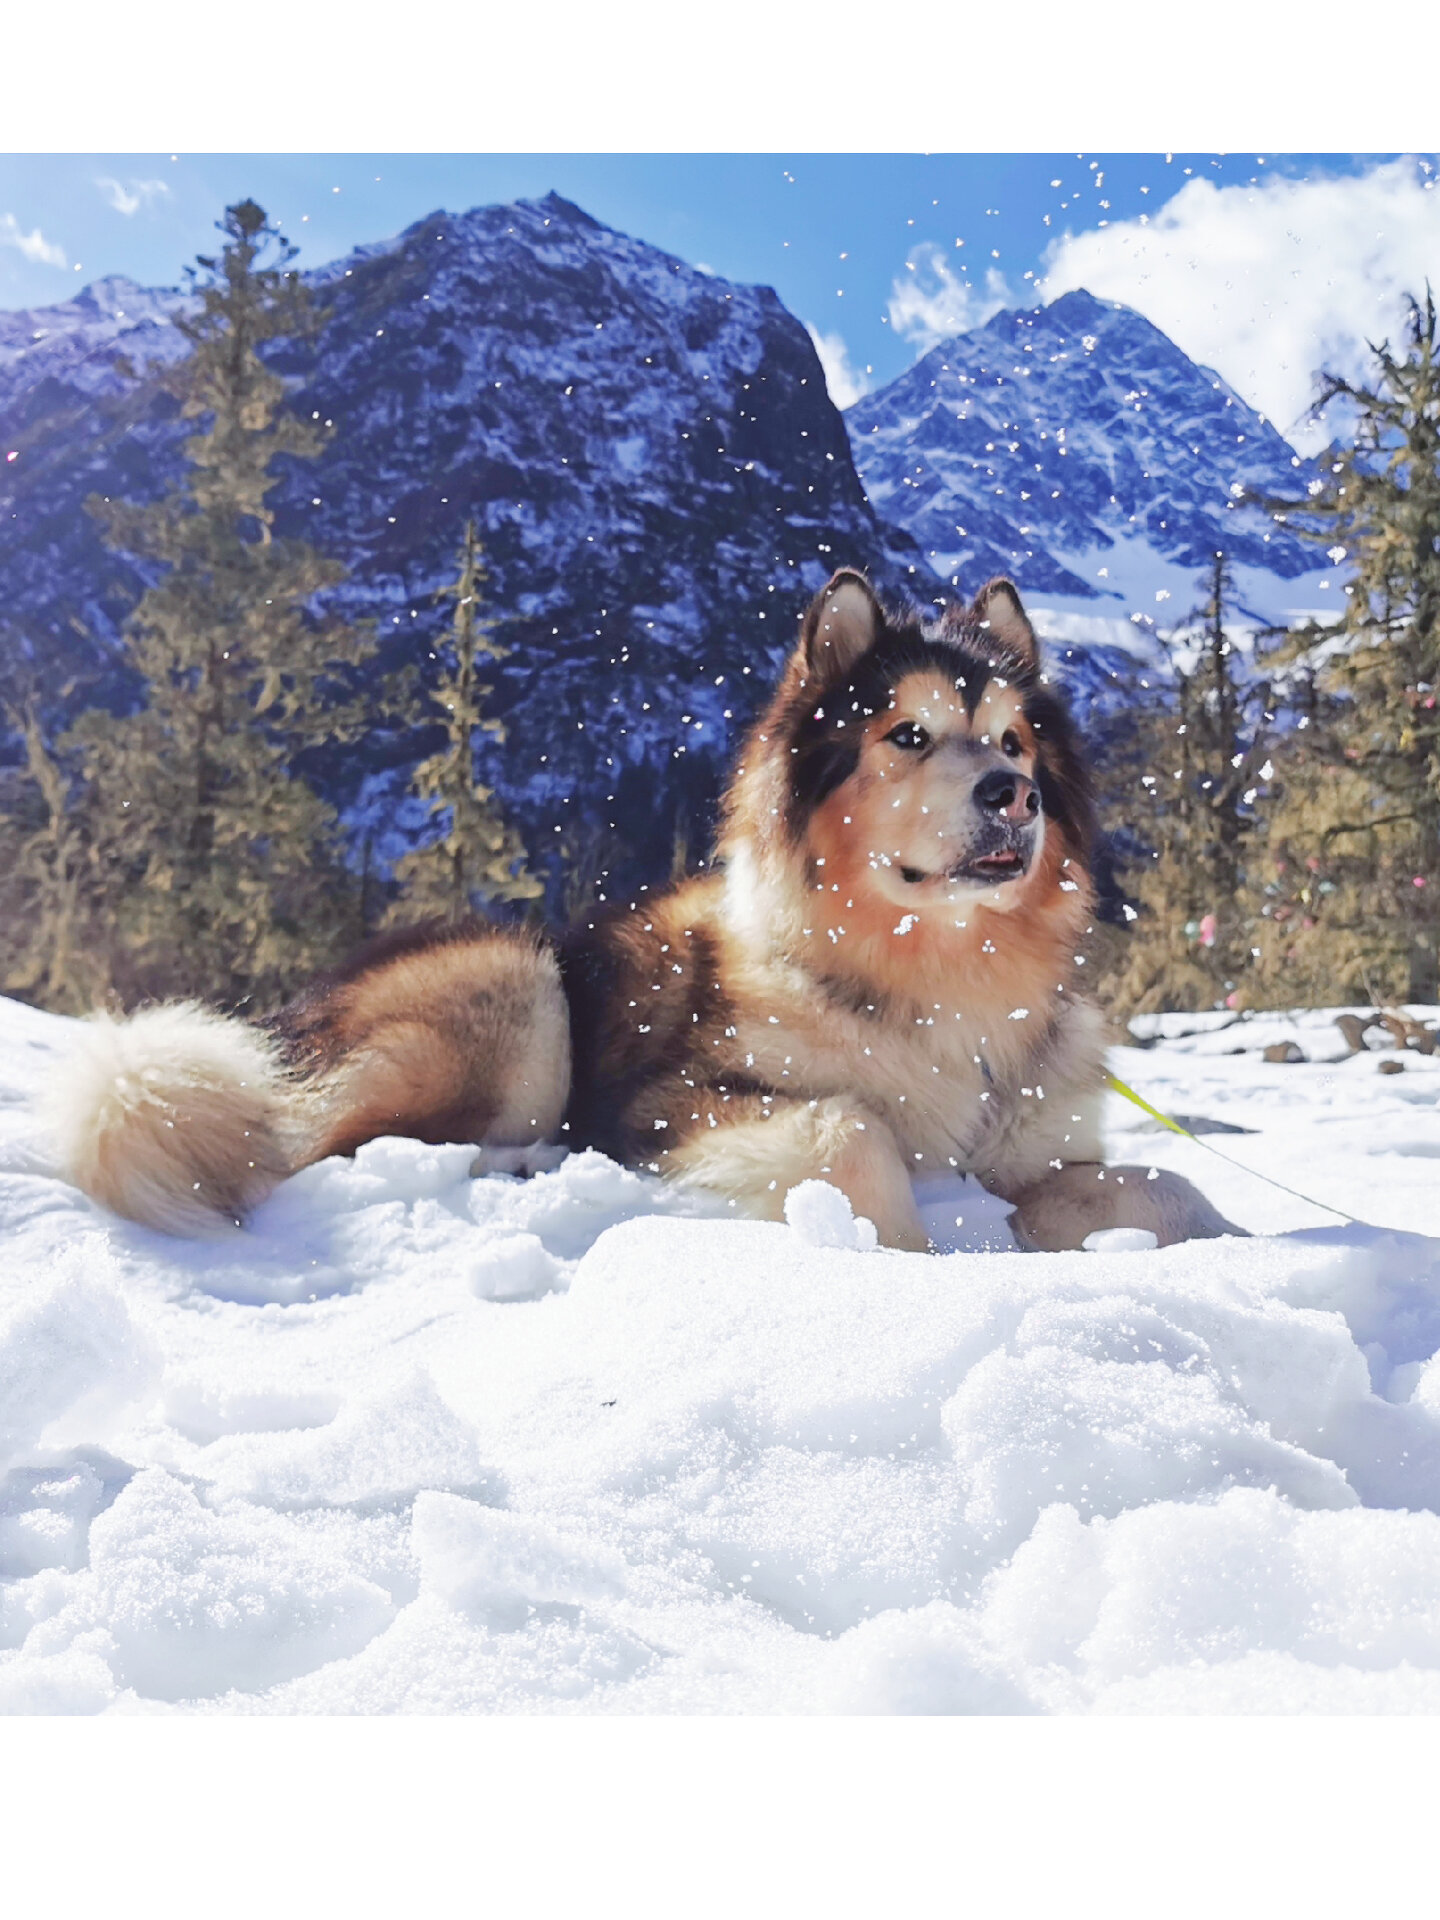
876	977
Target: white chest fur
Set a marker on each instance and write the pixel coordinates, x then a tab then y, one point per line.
958	1090
953	1096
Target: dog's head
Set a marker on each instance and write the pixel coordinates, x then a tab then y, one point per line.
928	766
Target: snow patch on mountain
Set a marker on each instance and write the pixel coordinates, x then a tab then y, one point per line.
76	341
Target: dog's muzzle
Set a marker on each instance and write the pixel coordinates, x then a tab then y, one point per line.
1008	803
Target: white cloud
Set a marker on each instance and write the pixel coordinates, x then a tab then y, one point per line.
930	301
843	381
128	199
1267	284
35	247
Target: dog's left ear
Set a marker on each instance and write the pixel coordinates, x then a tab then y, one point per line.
842	622
997	607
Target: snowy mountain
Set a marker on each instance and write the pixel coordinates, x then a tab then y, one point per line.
662	481
660	474
1078	449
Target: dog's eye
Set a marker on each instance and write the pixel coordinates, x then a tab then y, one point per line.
1009	743
908	736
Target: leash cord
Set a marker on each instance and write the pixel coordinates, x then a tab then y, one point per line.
1114	1081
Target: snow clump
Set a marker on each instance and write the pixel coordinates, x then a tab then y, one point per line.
822	1217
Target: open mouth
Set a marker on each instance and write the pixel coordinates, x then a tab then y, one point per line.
991	868
1006	865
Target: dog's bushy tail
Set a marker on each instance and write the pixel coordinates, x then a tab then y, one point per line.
177	1117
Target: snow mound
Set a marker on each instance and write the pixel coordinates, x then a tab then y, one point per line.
187	1600
428	1439
1121	1240
822	1217
70	1356
500	1566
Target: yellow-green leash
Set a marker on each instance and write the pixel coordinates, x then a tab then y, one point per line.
1113	1080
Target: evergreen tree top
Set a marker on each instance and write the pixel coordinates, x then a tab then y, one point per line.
1400	412
238	280
224	385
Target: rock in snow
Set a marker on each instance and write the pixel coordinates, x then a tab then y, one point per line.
426	1443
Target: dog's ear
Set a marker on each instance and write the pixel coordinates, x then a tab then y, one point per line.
997	609
842	622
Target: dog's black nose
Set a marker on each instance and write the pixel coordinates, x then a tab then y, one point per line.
1009	794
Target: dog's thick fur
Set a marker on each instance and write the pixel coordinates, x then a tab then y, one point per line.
877	977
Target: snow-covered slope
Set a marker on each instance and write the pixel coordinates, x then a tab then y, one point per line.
1078	449
78	415
74	343
427	1444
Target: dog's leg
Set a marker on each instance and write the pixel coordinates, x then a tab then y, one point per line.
754	1156
1054	1214
468	1040
541	1156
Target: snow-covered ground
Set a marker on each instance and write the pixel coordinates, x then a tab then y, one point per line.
422	1443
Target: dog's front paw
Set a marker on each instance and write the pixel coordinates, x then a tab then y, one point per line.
1060	1212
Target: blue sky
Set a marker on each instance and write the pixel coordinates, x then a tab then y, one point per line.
829	232
865	248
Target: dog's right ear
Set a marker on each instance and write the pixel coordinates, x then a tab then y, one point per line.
843	621
998	610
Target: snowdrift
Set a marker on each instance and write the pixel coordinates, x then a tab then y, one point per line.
425	1443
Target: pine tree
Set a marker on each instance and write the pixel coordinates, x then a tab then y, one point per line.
1357	834
1324	917
221	863
49	933
1201	751
477	858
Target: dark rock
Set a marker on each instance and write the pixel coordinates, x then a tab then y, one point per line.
1284	1053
